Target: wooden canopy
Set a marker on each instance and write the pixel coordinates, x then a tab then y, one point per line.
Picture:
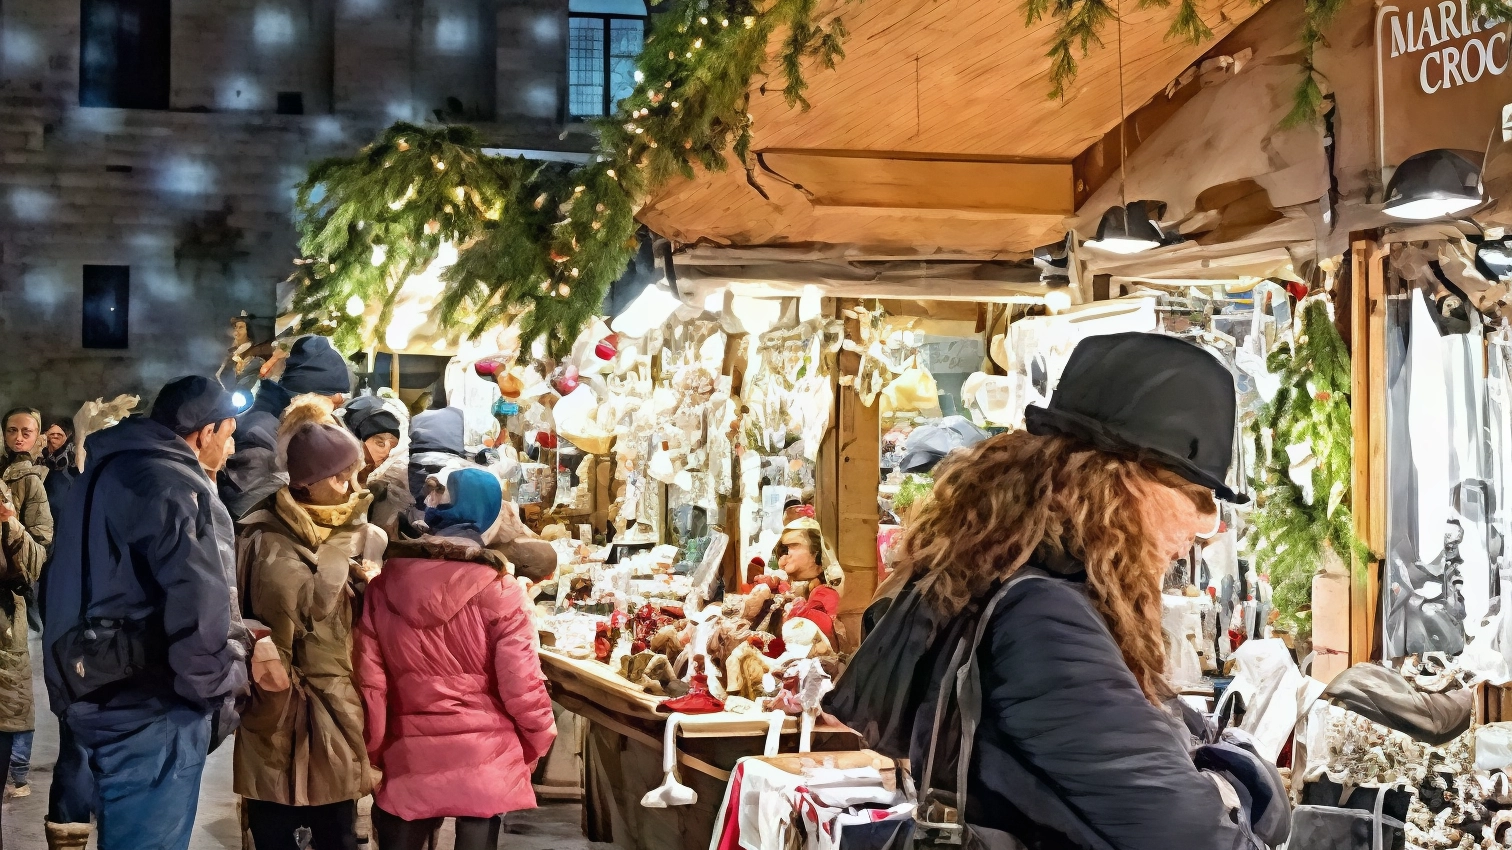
934	136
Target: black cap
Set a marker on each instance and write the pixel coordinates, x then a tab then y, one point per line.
1156	397
188	404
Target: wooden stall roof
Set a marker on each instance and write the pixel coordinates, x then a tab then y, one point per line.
934	136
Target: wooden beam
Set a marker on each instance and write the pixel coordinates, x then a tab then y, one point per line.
1367	306
860	471
911	183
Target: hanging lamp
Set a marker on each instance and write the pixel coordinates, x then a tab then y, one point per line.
1433	184
1128	227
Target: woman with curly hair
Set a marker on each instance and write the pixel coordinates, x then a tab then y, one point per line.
1081	743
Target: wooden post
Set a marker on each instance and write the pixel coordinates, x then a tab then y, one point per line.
1368	411
859	471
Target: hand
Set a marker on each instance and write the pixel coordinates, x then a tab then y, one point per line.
6	512
365	570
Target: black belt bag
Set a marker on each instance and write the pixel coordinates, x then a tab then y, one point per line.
101	655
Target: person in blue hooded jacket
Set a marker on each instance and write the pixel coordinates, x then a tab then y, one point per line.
158	546
252	475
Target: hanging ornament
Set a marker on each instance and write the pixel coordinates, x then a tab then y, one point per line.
598	208
596	225
612	175
402	145
573	272
704	21
440	166
460	193
510	385
432	227
545	286
749	21
557	257
564	290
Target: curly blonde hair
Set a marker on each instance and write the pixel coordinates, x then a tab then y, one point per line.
1017	497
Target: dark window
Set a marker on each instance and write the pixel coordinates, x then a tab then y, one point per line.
124	54
290	103
107	305
605	37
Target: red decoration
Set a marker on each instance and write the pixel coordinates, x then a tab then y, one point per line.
601	647
697	700
565	381
607	347
546	439
486	369
1296	290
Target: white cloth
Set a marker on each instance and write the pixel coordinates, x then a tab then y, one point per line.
1275	693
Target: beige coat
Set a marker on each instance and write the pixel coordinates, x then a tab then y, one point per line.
303	746
24	541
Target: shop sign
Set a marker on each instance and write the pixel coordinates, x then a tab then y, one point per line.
1443	70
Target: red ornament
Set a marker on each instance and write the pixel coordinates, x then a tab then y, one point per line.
607	347
486	369
565	381
546	439
1296	289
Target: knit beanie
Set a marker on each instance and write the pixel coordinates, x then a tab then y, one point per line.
317	452
367	417
476	498
315	367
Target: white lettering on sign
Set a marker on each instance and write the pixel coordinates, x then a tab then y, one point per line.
1441	68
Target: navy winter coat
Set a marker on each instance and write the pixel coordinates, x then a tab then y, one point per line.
1069	753
251	475
158	543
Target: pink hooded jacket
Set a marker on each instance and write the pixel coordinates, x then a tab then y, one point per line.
457	707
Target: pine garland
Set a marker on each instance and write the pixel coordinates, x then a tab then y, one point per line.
1082	23
544	243
1312	408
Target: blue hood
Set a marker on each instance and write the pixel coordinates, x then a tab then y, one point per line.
137	434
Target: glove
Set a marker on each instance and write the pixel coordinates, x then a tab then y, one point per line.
1257	783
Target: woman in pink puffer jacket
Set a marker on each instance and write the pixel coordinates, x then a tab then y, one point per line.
457	708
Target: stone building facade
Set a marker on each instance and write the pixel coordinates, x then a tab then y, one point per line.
189	184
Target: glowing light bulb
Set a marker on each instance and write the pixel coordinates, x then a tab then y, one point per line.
355	306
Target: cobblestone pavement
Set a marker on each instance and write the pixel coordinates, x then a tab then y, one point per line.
217	827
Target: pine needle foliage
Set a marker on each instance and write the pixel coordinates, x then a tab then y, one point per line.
543	244
1312	407
1081	25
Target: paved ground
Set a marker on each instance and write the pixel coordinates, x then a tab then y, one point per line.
217	827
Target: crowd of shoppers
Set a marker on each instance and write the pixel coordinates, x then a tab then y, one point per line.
287	575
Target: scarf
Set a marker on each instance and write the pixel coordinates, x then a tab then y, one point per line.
313	524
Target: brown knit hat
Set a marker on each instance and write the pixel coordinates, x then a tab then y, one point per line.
317	452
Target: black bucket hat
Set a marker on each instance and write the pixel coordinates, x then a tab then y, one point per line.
1154	397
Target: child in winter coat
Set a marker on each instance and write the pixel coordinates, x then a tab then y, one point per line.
457	708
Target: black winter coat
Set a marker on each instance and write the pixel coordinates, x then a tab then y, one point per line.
1069	753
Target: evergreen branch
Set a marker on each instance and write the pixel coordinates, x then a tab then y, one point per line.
542	245
1188	25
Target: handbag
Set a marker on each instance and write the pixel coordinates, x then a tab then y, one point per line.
99	656
1341	827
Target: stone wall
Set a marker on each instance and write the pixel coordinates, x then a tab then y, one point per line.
197	200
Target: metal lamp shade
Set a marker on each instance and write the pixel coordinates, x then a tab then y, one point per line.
1433	184
1127	230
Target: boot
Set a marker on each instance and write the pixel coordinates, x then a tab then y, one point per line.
67	836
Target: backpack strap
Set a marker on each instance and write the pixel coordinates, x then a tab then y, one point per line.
963	679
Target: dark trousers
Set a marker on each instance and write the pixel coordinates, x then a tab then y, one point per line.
396	833
70	799
276	826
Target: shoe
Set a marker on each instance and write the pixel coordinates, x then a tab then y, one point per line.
18	791
67	836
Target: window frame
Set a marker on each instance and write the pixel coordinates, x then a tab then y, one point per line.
608	18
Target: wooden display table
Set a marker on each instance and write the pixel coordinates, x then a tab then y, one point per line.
623	752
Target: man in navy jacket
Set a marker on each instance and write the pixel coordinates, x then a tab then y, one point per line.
158	548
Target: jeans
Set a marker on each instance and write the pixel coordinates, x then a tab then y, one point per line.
274	825
147	764
5	751
20	758
70	799
396	833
